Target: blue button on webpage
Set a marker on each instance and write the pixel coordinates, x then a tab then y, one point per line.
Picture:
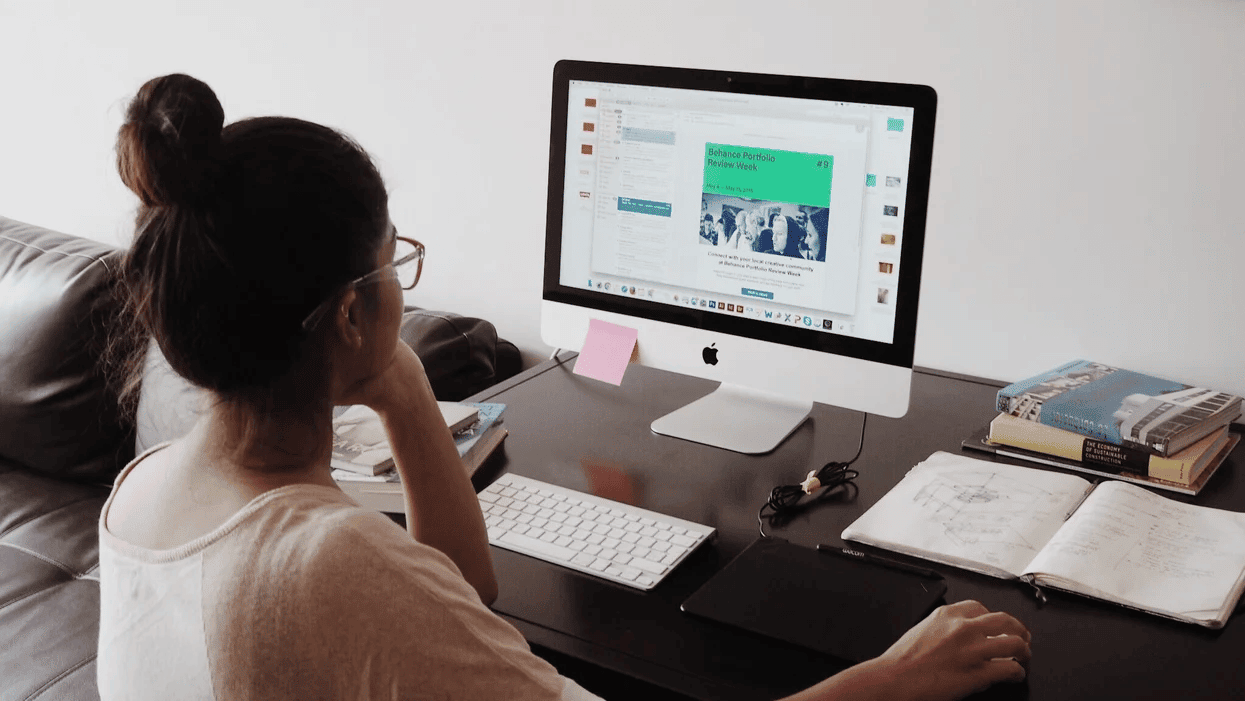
759	294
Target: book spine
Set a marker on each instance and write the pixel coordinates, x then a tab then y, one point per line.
1076	424
1120	457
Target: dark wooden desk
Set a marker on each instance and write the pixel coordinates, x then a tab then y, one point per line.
594	437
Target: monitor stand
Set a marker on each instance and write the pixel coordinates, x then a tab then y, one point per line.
736	418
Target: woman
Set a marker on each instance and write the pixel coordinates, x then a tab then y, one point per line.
264	264
813	246
783	242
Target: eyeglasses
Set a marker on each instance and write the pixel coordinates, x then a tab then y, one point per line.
407	266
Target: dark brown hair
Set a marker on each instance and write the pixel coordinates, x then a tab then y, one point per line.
242	230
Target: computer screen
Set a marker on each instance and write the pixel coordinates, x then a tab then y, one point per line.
762	231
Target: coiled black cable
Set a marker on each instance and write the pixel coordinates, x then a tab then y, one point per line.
787	500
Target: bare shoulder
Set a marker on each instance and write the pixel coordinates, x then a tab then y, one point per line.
159	506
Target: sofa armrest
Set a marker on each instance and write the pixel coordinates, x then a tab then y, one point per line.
58	416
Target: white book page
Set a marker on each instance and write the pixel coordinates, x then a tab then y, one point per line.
962	511
1137	547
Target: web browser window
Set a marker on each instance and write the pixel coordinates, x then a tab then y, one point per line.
778	209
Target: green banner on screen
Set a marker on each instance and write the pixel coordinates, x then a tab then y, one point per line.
767	174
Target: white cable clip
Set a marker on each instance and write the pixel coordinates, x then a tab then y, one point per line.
811	483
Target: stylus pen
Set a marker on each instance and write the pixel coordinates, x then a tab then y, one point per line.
880	562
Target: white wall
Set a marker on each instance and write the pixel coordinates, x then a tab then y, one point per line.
1086	190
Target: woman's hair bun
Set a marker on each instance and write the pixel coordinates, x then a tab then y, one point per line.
167	149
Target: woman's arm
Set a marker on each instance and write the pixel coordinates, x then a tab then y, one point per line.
441	505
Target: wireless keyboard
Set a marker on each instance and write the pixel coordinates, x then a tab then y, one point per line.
621	543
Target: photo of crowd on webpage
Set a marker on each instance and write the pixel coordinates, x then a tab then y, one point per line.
774	228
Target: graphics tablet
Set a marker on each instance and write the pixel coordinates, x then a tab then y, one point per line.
842	606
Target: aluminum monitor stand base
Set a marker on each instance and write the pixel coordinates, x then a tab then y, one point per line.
736	418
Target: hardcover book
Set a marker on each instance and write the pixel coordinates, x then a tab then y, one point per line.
383	492
1120	407
1112	541
361	445
980	441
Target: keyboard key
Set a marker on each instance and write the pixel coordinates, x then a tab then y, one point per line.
549	537
489	497
682	540
647	565
563	541
521	541
599	565
593	549
583	560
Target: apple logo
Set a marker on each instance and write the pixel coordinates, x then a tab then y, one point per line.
710	354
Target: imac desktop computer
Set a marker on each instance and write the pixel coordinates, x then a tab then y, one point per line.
762	231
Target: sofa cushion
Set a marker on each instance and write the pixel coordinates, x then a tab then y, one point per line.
57	416
49	585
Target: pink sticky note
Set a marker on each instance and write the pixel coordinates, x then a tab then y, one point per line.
606	351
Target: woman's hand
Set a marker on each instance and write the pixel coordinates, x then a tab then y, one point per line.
396	386
957	650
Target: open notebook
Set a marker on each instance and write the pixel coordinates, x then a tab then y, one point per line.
1112	541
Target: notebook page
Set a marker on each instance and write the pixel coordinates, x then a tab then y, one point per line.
1133	546
987	517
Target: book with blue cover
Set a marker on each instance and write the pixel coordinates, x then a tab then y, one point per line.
1121	407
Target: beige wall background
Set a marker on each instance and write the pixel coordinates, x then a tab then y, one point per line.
1087	170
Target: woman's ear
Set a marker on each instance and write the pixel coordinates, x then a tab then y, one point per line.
348	319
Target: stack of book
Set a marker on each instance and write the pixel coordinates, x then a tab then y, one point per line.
363	463
1115	423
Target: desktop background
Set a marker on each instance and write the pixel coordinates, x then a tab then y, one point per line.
1086	172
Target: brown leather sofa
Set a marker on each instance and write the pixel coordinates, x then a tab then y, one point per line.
63	440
